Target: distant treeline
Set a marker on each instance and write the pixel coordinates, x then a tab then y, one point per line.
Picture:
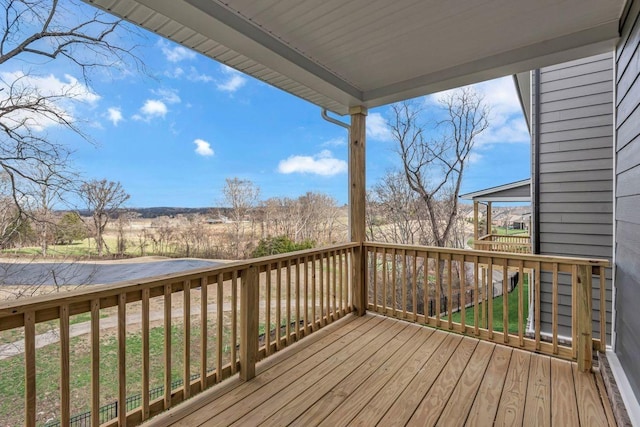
160	211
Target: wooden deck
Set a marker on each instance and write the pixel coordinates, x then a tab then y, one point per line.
374	370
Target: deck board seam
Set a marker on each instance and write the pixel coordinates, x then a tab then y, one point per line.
435	380
366	338
475	394
394	354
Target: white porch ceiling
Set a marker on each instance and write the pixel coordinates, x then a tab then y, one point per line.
338	53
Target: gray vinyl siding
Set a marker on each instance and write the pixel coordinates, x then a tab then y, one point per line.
628	198
575	174
522	191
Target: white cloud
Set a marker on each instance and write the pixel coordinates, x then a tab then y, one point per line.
195	76
175	53
378	128
322	163
115	115
203	148
58	99
151	109
170	96
233	80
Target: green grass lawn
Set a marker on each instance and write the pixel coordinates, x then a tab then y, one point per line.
509	231
48	369
512	302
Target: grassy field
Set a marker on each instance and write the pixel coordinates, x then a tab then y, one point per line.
512	301
79	248
48	371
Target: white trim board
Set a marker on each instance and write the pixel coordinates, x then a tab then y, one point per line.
628	397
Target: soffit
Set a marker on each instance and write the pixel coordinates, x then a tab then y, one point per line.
338	53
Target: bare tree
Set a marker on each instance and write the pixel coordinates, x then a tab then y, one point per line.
103	198
38	31
434	167
241	196
397	212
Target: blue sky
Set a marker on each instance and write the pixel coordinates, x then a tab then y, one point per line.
173	136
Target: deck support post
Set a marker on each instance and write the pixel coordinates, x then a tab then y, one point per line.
249	309
357	201
489	225
584	324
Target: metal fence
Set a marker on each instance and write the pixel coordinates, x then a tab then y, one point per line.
110	410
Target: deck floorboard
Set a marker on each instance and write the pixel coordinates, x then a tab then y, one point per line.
374	370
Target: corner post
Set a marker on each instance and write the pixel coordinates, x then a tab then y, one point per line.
357	205
584	324
249	310
489	225
476	233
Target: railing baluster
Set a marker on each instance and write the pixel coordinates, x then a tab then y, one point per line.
167	346
288	302
521	303
306	297
394	278
145	353
584	321
220	326
449	293
414	274
462	294
490	298
538	284
374	285
384	280
334	316
267	311
603	309
30	368
204	330
186	342
404	283
313	293
425	285
95	362
505	301
484	302
122	361
476	297
438	288
278	304
554	308
574	310
344	281
321	286
298	264
234	321
65	392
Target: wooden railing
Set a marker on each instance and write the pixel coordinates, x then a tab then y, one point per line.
459	290
212	323
502	243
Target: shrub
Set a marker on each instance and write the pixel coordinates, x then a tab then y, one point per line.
279	245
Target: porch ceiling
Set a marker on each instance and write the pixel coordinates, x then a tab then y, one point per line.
337	53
